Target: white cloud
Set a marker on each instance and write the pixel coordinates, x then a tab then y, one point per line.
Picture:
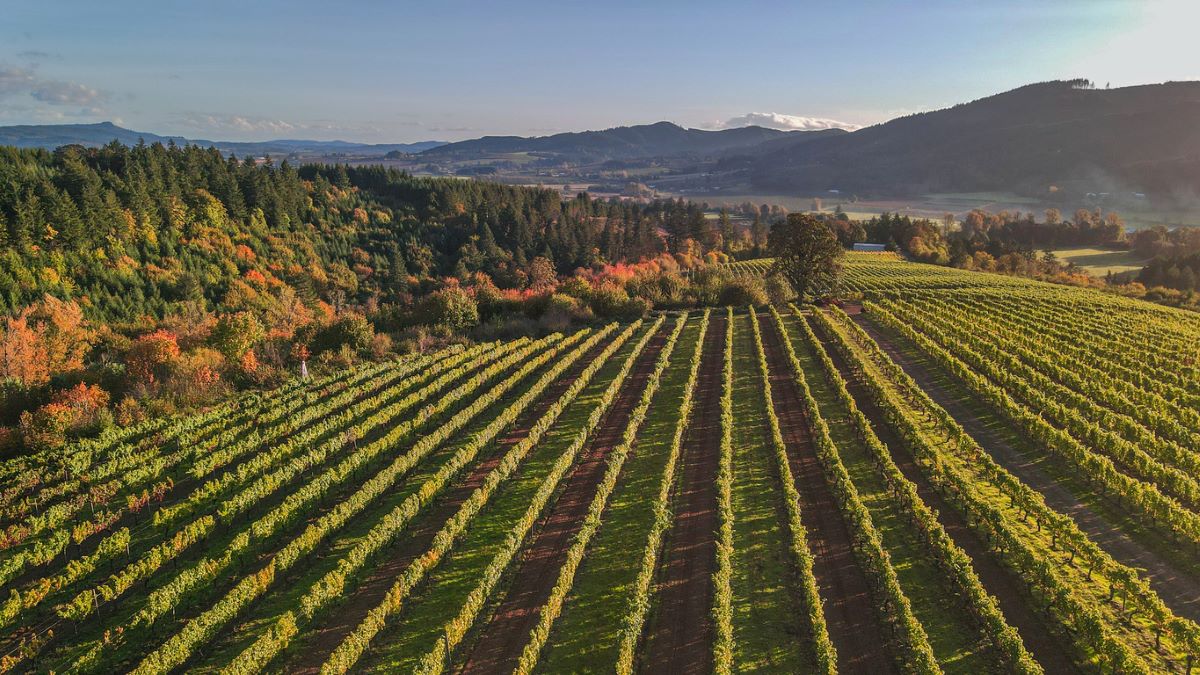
236	123
66	93
20	82
16	81
233	127
772	120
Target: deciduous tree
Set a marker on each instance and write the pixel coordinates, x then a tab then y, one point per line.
45	339
806	254
235	334
151	355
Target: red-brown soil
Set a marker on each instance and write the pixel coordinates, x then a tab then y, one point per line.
861	641
680	635
311	654
502	639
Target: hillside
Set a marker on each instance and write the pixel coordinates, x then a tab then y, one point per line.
954	460
50	136
149	231
1141	139
662	139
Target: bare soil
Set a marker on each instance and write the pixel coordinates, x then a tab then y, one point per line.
680	635
861	641
501	640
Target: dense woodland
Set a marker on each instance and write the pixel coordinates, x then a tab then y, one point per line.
168	275
1176	257
984	234
140	231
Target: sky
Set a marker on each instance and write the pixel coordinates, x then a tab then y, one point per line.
450	69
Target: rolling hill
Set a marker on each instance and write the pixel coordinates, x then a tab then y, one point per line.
1064	134
662	139
51	136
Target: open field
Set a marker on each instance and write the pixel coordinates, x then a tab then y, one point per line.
935	206
974	473
1095	261
709	188
928	206
1099	262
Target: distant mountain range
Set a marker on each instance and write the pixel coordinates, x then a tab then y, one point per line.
55	135
1063	134
663	139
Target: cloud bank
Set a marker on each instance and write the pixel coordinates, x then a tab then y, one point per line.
772	120
19	82
237	123
237	127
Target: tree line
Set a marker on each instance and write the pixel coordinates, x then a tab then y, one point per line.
136	275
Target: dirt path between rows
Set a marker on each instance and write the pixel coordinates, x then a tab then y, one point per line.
680	635
314	651
502	639
997	580
1177	588
853	624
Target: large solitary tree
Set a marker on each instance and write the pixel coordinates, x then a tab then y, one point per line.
806	254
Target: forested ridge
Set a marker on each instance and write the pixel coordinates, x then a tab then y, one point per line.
142	280
140	231
1070	135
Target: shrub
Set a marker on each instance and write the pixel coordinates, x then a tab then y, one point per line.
741	292
662	289
235	334
129	412
779	291
608	299
707	284
71	412
451	307
151	356
352	330
563	310
576	287
16	396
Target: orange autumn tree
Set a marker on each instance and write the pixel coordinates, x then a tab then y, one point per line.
44	339
20	357
71	412
151	356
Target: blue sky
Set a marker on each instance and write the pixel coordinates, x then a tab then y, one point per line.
448	69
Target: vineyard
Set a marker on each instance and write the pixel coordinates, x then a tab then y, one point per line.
965	473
